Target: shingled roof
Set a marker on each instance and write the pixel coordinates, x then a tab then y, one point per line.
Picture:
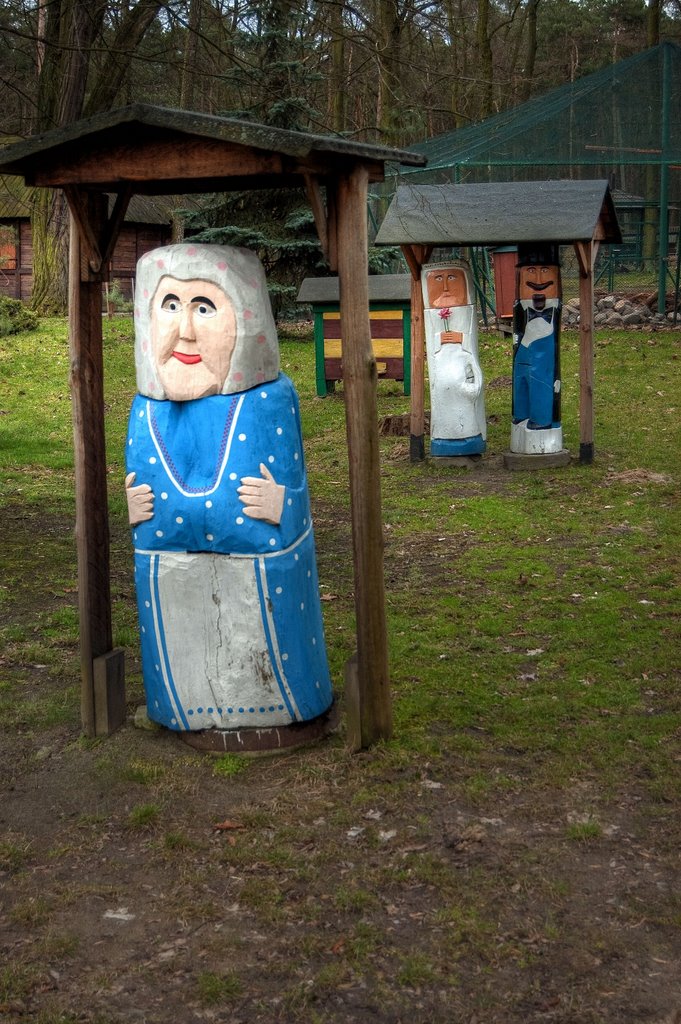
140	125
500	212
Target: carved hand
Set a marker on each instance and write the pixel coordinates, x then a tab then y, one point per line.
263	497
140	500
451	338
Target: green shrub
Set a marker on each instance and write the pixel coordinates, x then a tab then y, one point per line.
15	317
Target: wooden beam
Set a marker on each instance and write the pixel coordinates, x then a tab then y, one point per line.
586	257
88	241
98	244
359	376
154	159
332	223
416	256
189	162
115	223
314	195
92	524
412	261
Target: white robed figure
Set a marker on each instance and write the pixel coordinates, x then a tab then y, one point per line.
230	618
457	403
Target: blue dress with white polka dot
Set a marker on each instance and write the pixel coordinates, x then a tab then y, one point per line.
194	456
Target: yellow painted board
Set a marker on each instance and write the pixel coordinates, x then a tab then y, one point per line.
383	348
376	314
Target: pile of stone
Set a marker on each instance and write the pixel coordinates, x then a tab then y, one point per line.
614	311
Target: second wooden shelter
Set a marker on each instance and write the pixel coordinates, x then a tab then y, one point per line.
579	213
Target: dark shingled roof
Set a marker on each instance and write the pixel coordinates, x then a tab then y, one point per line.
500	213
382	288
137	122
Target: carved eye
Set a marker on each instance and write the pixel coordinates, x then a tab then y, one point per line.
171	304
203	306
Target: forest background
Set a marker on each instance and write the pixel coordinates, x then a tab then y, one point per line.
389	71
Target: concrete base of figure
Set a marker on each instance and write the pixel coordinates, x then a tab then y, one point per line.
254	742
536	448
526	440
449	448
549	460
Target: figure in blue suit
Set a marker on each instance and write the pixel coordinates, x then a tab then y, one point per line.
536	427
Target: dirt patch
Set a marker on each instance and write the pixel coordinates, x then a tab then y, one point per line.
339	889
638	476
310	907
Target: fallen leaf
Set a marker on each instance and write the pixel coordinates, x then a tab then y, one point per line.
227	825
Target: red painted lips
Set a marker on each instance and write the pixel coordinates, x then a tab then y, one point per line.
186	358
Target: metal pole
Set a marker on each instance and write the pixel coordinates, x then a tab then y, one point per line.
664	182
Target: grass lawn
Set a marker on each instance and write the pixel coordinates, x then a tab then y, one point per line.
510	856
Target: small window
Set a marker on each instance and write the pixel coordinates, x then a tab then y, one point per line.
8	247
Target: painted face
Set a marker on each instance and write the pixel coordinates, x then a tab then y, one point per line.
446	287
193	332
539	283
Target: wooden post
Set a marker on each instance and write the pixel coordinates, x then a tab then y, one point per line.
586	257
416	256
102	680
361	415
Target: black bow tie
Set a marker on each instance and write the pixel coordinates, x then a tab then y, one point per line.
533	314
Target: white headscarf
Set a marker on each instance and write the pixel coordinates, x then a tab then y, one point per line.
448	265
241	276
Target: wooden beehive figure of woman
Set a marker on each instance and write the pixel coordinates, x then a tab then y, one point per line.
457	403
230	618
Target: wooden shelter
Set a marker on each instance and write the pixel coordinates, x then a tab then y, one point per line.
578	213
155	151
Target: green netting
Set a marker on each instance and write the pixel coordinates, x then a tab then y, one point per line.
622	124
611	124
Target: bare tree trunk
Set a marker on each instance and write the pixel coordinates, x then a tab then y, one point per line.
40	42
654	13
71	29
485	62
388	47
49	226
189	64
530	59
116	67
337	84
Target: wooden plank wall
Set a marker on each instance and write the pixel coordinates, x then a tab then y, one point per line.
16	276
16	271
133	242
